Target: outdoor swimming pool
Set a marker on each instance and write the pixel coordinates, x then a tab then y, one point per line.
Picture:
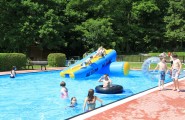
33	96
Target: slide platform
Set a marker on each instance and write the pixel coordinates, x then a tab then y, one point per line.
98	65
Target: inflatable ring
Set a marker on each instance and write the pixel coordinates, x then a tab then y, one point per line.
109	90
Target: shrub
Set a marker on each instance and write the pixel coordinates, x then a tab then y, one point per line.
7	60
56	59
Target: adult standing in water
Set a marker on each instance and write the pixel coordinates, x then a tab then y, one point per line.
90	101
176	69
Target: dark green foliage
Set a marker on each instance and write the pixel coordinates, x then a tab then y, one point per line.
7	60
56	59
78	26
175	23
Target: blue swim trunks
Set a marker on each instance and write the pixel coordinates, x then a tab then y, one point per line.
162	75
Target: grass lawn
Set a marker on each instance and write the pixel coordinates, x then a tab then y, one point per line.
37	67
138	65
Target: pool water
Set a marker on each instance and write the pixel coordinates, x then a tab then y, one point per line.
36	96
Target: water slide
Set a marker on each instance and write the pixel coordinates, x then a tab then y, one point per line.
102	65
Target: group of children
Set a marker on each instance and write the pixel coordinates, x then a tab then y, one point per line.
99	53
64	94
175	69
90	100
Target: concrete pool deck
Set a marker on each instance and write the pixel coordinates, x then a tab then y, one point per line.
148	105
34	70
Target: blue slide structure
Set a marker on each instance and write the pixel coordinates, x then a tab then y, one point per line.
104	65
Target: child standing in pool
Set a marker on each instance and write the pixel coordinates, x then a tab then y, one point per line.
90	101
162	67
64	91
12	72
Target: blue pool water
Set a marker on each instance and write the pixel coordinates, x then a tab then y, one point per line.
36	96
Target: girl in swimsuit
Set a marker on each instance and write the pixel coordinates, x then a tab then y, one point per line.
90	101
64	91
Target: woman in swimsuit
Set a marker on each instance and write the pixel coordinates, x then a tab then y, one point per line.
90	101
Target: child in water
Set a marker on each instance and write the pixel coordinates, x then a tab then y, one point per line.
12	72
64	91
73	102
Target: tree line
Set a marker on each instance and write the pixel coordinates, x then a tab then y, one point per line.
78	26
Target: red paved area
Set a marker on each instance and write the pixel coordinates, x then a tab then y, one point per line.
158	105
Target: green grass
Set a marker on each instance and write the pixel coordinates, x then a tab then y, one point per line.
138	65
36	67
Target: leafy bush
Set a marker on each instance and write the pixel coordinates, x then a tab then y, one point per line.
7	60
56	59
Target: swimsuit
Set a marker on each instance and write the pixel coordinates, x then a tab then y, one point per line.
64	93
175	75
162	75
91	106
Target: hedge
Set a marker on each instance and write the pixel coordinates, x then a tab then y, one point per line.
56	59
7	60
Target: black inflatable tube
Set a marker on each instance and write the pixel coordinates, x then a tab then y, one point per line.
109	90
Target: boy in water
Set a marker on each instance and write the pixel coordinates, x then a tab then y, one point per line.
12	72
162	67
107	82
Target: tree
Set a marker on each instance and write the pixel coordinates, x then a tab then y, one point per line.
32	23
96	32
175	23
149	23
